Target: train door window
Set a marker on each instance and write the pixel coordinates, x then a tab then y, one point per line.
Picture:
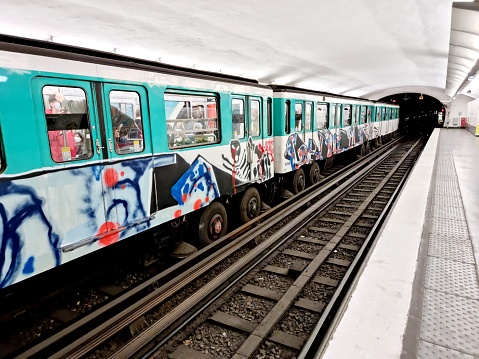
378	114
385	114
287	117
237	110
358	114
126	122
298	117
353	117
363	114
269	116
333	114
346	115
68	125
322	116
254	118
369	114
307	117
191	120
337	119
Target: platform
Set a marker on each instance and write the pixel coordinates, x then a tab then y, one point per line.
418	293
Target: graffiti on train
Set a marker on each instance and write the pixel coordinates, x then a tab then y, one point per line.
53	218
249	161
329	143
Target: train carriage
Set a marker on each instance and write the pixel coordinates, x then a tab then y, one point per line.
94	152
312	127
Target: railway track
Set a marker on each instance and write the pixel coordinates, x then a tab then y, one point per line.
127	321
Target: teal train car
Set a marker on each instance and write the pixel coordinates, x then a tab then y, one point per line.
97	147
311	127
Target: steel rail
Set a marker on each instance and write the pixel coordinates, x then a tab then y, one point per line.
268	323
250	260
310	348
182	273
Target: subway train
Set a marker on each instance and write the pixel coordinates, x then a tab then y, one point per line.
96	147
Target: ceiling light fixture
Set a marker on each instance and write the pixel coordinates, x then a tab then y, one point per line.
421	97
470	78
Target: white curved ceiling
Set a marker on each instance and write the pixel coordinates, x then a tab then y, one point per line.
464	51
360	48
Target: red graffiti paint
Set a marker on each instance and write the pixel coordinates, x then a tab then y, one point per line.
123	186
177	213
184	197
197	204
111	177
207	199
109	239
122	173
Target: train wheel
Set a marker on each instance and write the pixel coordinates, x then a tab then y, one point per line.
314	174
298	182
250	205
213	223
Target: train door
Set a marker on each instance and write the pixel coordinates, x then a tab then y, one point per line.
299	119
362	123
255	143
125	143
247	116
72	146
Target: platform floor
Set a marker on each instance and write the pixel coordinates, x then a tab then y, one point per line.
418	294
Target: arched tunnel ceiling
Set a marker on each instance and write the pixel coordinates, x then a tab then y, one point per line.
364	48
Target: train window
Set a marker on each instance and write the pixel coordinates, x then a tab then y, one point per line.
353	117
363	114
337	118
298	117
68	125
357	115
307	117
385	114
378	114
237	110
269	114
192	120
346	115
287	127
127	126
254	118
322	116
369	114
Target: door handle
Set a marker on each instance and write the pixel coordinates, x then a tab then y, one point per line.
110	143
98	147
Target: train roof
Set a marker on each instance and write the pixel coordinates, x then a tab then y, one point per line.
327	96
67	52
